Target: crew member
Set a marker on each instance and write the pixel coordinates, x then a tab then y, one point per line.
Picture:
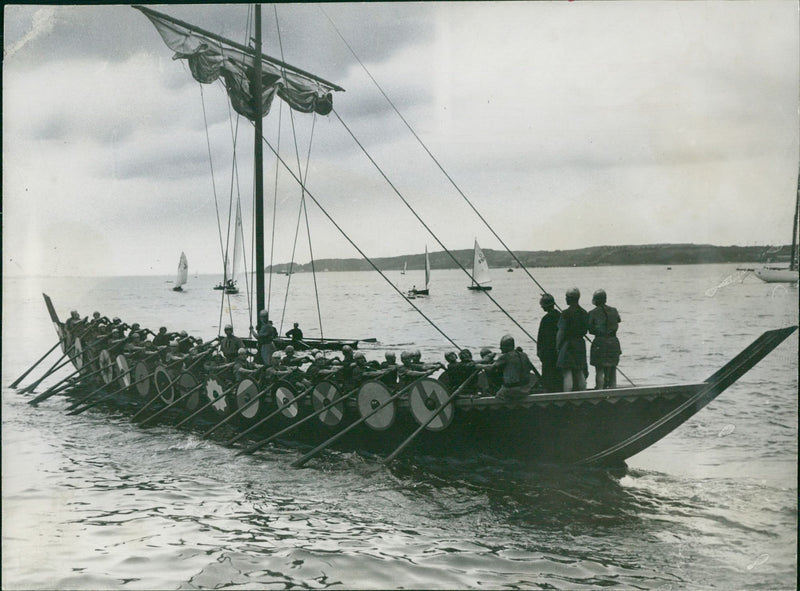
546	349
572	327
605	351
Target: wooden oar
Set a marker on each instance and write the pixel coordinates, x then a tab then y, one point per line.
172	404
54	368
31	368
77	403
293	426
281	408
419	429
227	419
157	395
340	434
76	411
205	406
53	389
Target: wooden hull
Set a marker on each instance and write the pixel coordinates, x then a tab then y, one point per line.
590	427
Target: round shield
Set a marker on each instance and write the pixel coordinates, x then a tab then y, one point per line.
325	394
215	391
245	400
162	378
188	382
371	396
141	377
124	370
106	366
284	397
77	353
426	398
62	336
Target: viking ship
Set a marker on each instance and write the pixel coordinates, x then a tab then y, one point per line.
353	405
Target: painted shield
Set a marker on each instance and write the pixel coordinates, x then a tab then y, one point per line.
325	394
124	370
283	394
215	391
245	400
165	388
141	378
426	398
106	366
371	396
188	382
77	354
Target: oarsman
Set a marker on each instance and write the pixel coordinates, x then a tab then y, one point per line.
275	370
406	373
292	360
243	367
460	372
515	368
572	327
184	341
295	334
134	346
605	351
546	349
320	369
162	338
363	371
416	362
348	364
265	336
173	357
390	367
230	344
451	357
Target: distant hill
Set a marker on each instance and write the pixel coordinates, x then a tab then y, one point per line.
650	254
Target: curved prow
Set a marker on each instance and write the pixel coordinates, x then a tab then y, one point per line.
742	363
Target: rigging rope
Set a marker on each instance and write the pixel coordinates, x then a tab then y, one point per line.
354	245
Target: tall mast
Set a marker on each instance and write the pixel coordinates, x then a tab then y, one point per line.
258	164
793	259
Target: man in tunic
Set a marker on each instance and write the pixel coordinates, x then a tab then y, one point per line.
243	367
605	351
162	338
230	344
572	327
389	378
546	349
265	336
296	335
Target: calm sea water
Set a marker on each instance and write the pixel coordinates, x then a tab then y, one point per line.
93	501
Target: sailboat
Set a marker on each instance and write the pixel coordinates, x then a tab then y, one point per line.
427	416
405	266
780	274
183	273
418	292
480	271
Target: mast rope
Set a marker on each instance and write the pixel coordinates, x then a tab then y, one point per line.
430	231
354	245
303	209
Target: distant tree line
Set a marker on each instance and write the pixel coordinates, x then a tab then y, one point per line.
650	254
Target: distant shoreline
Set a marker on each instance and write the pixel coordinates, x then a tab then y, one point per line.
593	256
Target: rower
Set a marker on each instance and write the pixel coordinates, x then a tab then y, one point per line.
230	344
243	367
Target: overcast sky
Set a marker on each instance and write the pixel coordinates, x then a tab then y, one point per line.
567	124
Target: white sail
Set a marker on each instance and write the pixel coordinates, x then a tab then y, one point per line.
480	268
238	243
427	268
405	264
183	271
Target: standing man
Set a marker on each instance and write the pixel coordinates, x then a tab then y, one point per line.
296	335
265	336
546	349
572	327
604	354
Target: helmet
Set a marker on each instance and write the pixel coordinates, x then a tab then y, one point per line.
450	356
162	329
242	351
359	356
95	314
573	294
347	349
599	297
263	314
228	327
507	343
465	355
173	344
417	354
486	351
319	357
116	320
288	349
547	300
390	355
405	355
74	314
184	334
276	355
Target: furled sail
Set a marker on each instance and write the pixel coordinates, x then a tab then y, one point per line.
211	57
